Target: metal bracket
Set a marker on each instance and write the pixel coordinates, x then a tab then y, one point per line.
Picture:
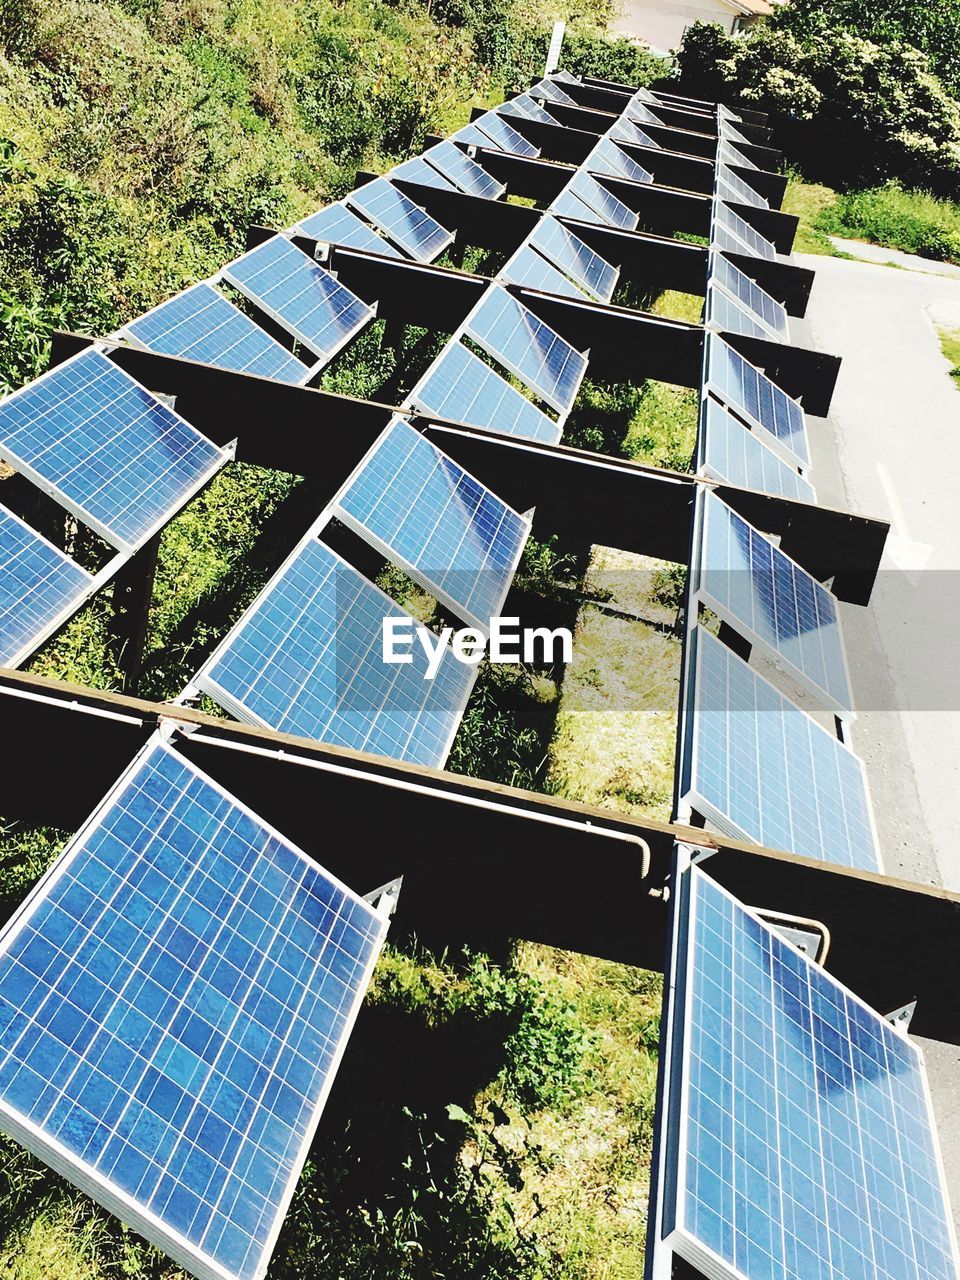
809	936
902	1017
384	900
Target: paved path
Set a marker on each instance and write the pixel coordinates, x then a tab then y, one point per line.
891	447
911	261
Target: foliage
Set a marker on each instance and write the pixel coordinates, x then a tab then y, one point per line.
932	27
543	1045
909	220
849	111
496	739
139	141
606	58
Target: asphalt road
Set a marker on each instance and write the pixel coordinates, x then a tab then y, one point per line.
891	448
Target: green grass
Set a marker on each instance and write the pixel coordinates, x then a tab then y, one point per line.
912	221
810	201
950	346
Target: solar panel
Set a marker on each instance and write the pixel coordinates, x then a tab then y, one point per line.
105	448
733	233
731	154
39	585
527	267
525	107
724	314
416	169
771	313
461	387
759	768
807	1144
751	393
568	205
607	157
337	225
729	130
307	658
406	223
731	452
175	998
491	129
465	173
732	187
548	89
575	258
637	113
624	130
428	515
603	203
304	299
512	334
753	585
200	324
566	77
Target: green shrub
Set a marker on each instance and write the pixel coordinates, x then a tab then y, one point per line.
603	57
910	220
850	112
932	27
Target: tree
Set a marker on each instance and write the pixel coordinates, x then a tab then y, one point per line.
933	27
850	111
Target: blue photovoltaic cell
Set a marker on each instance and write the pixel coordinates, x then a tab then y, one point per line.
605	205
527	267
465	173
739	285
416	169
730	186
461	387
731	452
607	157
491	130
751	583
428	515
200	324
551	90
730	317
337	225
173	1005
623	130
731	232
750	392
297	292
575	258
307	658
525	107
526	346
808	1146
764	770
38	584
112	454
568	205
398	217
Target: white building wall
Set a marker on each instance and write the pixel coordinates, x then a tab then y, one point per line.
661	23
